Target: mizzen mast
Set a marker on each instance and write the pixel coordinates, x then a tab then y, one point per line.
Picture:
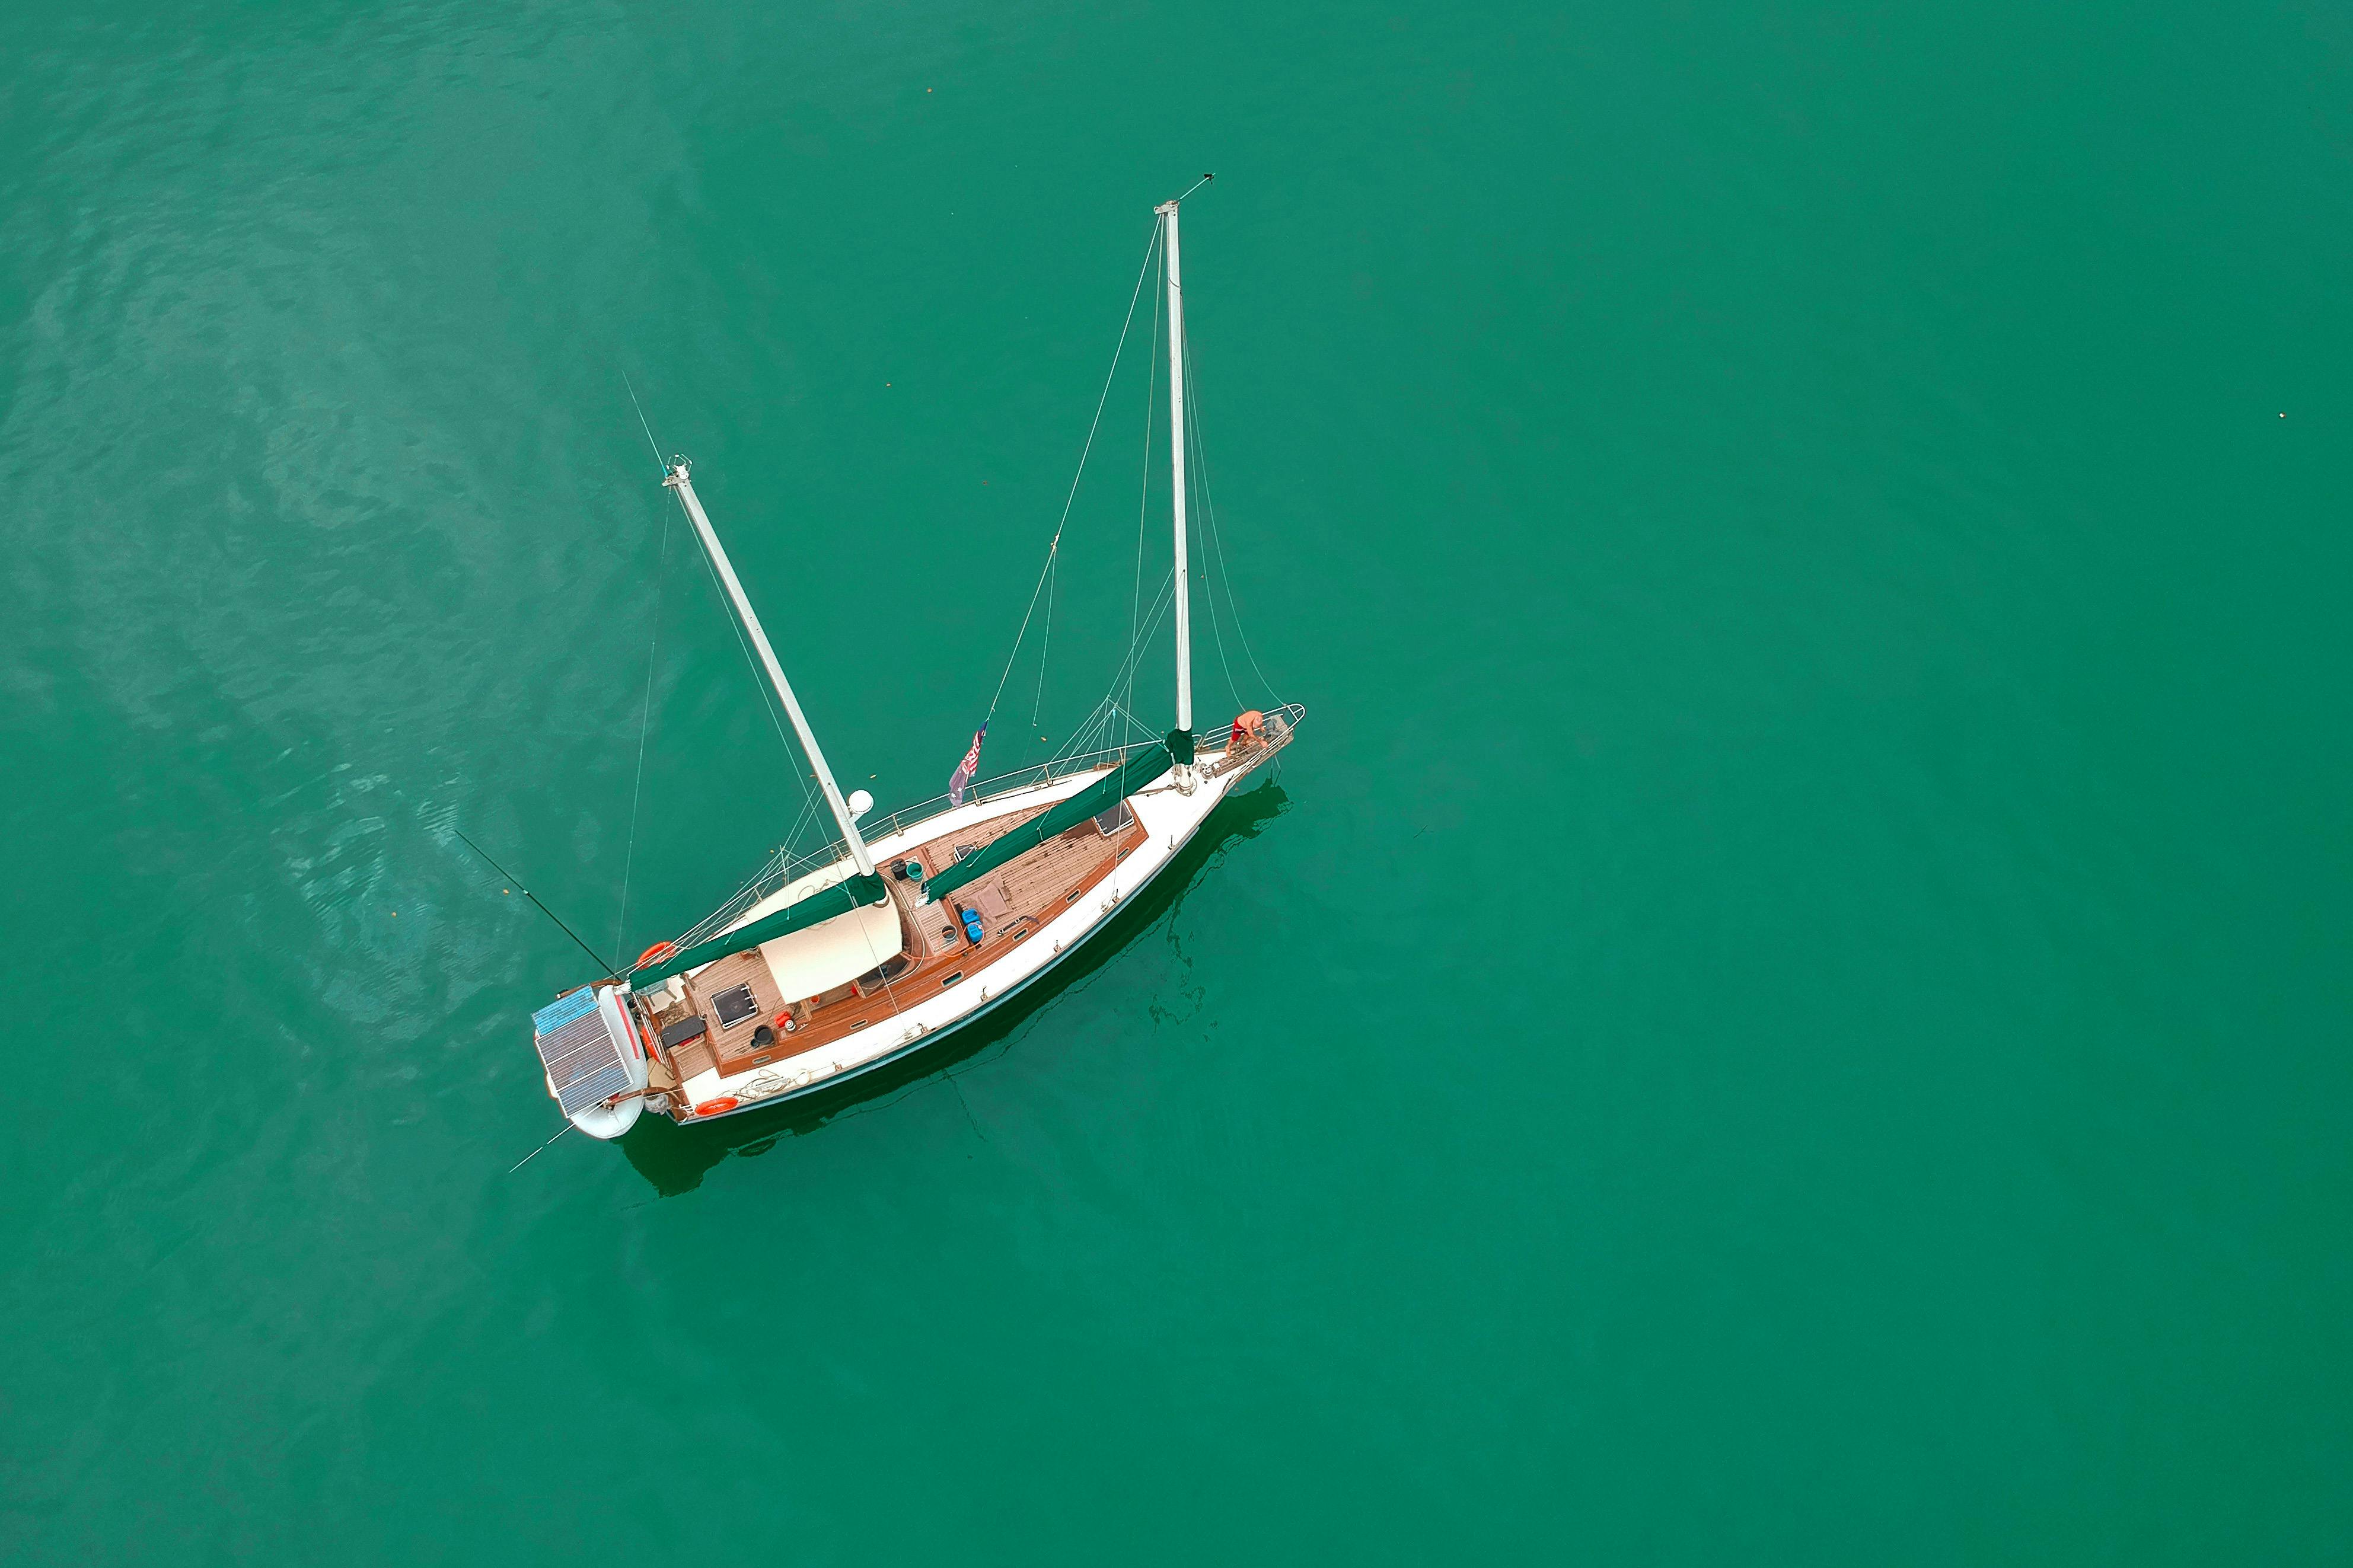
678	480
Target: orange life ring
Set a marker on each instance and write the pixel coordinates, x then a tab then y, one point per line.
655	954
725	1102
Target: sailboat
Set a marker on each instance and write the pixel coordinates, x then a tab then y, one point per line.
911	927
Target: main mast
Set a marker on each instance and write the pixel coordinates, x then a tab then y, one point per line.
1180	740
679	481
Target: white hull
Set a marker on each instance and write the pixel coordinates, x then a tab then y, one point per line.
1170	818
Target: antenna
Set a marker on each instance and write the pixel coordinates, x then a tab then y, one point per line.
542	909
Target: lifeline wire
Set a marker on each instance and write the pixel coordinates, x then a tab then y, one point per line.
1052	549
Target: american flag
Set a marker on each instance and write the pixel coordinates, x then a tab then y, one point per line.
961	780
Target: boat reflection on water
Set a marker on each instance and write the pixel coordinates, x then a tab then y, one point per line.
675	1159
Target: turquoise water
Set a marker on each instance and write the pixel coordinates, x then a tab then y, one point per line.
1790	1005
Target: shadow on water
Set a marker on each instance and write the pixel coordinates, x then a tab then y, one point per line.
675	1159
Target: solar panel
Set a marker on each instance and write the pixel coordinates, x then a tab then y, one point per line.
585	1060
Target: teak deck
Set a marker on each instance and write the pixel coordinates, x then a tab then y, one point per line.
1014	902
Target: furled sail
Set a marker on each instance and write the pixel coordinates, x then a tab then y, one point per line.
1092	801
822	905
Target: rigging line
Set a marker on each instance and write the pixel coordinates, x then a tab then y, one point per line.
1209	507
1127	667
1208	585
773	864
1098	723
1073	746
779	865
1143	495
1123	674
759	679
1099	740
645	726
1051	551
757	682
808	809
1160	600
1214	546
641	421
1193	443
1054	549
1095	723
1079	732
1128	730
1045	645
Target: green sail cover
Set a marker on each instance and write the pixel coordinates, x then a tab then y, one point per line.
1092	801
823	905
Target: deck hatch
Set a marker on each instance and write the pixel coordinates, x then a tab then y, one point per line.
735	1005
585	1059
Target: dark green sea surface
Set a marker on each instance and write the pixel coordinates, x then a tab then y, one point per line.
1792	1003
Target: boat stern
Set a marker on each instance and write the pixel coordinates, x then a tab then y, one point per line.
595	1062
